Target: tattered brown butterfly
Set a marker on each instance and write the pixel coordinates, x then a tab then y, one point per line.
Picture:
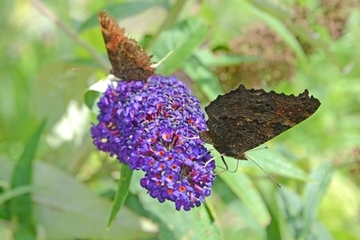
128	60
246	118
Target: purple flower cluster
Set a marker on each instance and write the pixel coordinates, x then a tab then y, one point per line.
154	126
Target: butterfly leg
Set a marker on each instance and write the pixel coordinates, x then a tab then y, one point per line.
226	168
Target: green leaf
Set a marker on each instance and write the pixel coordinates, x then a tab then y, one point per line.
208	59
183	39
198	223
314	193
318	231
290	220
122	191
67	209
280	29
90	100
240	184
228	206
270	160
123	10
204	78
21	206
91	96
10	194
293	220
204	224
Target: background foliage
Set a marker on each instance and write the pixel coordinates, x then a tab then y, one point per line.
54	184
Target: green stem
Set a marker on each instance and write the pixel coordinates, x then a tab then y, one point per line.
169	20
69	32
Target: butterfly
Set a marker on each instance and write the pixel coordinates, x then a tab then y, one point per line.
128	60
246	118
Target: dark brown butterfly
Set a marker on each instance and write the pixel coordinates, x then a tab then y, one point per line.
128	60
246	118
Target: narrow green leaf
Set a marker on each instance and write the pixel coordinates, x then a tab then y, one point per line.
290	220
314	193
208	59
281	29
240	184
122	192
10	194
271	8
274	162
21	206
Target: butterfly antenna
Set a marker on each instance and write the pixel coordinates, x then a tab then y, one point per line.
209	161
259	148
278	184
155	65
213	159
224	169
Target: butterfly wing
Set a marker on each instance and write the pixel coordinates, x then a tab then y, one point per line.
128	60
244	119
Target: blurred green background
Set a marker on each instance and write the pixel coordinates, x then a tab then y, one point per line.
54	184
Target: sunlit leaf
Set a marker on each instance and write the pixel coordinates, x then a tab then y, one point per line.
240	184
182	40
